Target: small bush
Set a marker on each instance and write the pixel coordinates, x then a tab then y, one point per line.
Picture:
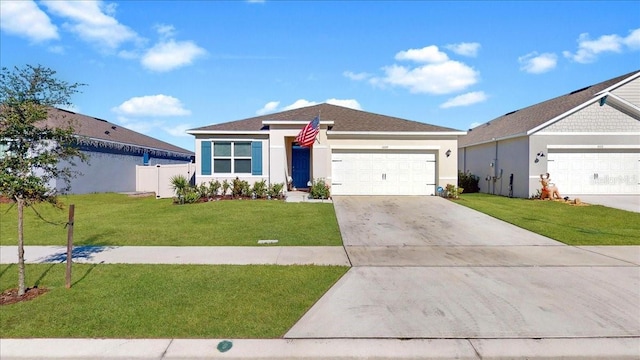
192	196
225	187
453	192
468	181
214	188
275	190
319	189
203	190
260	189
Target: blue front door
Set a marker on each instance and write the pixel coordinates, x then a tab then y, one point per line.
300	166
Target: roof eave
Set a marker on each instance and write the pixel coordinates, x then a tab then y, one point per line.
620	104
508	137
618	84
563	115
398	133
226	132
135	145
294	122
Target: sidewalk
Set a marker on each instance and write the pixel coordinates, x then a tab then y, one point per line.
206	255
308	349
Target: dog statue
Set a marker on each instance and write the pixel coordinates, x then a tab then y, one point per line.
549	190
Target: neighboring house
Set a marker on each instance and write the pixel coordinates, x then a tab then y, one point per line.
356	152
114	152
588	140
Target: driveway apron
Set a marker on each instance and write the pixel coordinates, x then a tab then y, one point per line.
426	267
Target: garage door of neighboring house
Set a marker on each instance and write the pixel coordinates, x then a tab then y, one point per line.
595	171
383	172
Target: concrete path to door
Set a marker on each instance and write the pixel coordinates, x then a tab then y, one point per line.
427	268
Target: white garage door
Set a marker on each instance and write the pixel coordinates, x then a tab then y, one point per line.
383	173
595	172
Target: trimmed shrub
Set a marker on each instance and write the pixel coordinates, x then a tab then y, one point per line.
468	182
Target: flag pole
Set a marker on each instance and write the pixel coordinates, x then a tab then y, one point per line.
318	141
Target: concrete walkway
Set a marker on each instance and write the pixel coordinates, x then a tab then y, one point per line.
207	255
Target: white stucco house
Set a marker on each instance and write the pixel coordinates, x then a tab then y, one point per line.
356	152
588	140
113	151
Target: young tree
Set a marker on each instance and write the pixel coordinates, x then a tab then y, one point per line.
34	151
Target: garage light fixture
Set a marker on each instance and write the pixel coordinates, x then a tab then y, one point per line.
448	152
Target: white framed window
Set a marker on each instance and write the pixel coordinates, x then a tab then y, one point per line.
232	157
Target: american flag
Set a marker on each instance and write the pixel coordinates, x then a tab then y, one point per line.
308	134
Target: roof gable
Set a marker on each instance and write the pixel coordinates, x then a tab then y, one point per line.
344	119
535	117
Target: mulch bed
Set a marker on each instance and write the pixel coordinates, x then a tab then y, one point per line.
10	296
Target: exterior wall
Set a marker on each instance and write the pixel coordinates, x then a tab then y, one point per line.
594	118
630	92
494	162
200	178
447	167
595	127
105	172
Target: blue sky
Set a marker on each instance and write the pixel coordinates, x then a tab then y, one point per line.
161	67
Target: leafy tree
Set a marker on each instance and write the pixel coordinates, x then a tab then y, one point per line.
34	151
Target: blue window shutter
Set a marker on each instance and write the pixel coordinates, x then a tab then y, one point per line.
145	159
205	158
256	158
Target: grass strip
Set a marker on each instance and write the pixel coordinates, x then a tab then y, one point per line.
572	225
120	220
164	301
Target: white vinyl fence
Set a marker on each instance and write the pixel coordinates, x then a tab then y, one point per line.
157	178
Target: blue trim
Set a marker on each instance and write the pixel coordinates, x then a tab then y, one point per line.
256	158
205	158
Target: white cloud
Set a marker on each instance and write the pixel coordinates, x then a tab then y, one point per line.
436	75
633	40
299	104
171	54
165	31
143	127
465	99
24	18
535	63
442	78
428	54
350	103
93	22
357	77
588	50
152	105
56	49
474	125
272	106
178	130
465	49
269	107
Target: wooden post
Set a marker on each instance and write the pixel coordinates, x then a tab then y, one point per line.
70	244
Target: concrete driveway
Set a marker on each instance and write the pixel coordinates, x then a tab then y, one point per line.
427	268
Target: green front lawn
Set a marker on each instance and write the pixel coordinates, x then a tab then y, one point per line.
164	301
115	219
572	225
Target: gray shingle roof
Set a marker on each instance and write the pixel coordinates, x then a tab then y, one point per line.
528	118
87	126
345	119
